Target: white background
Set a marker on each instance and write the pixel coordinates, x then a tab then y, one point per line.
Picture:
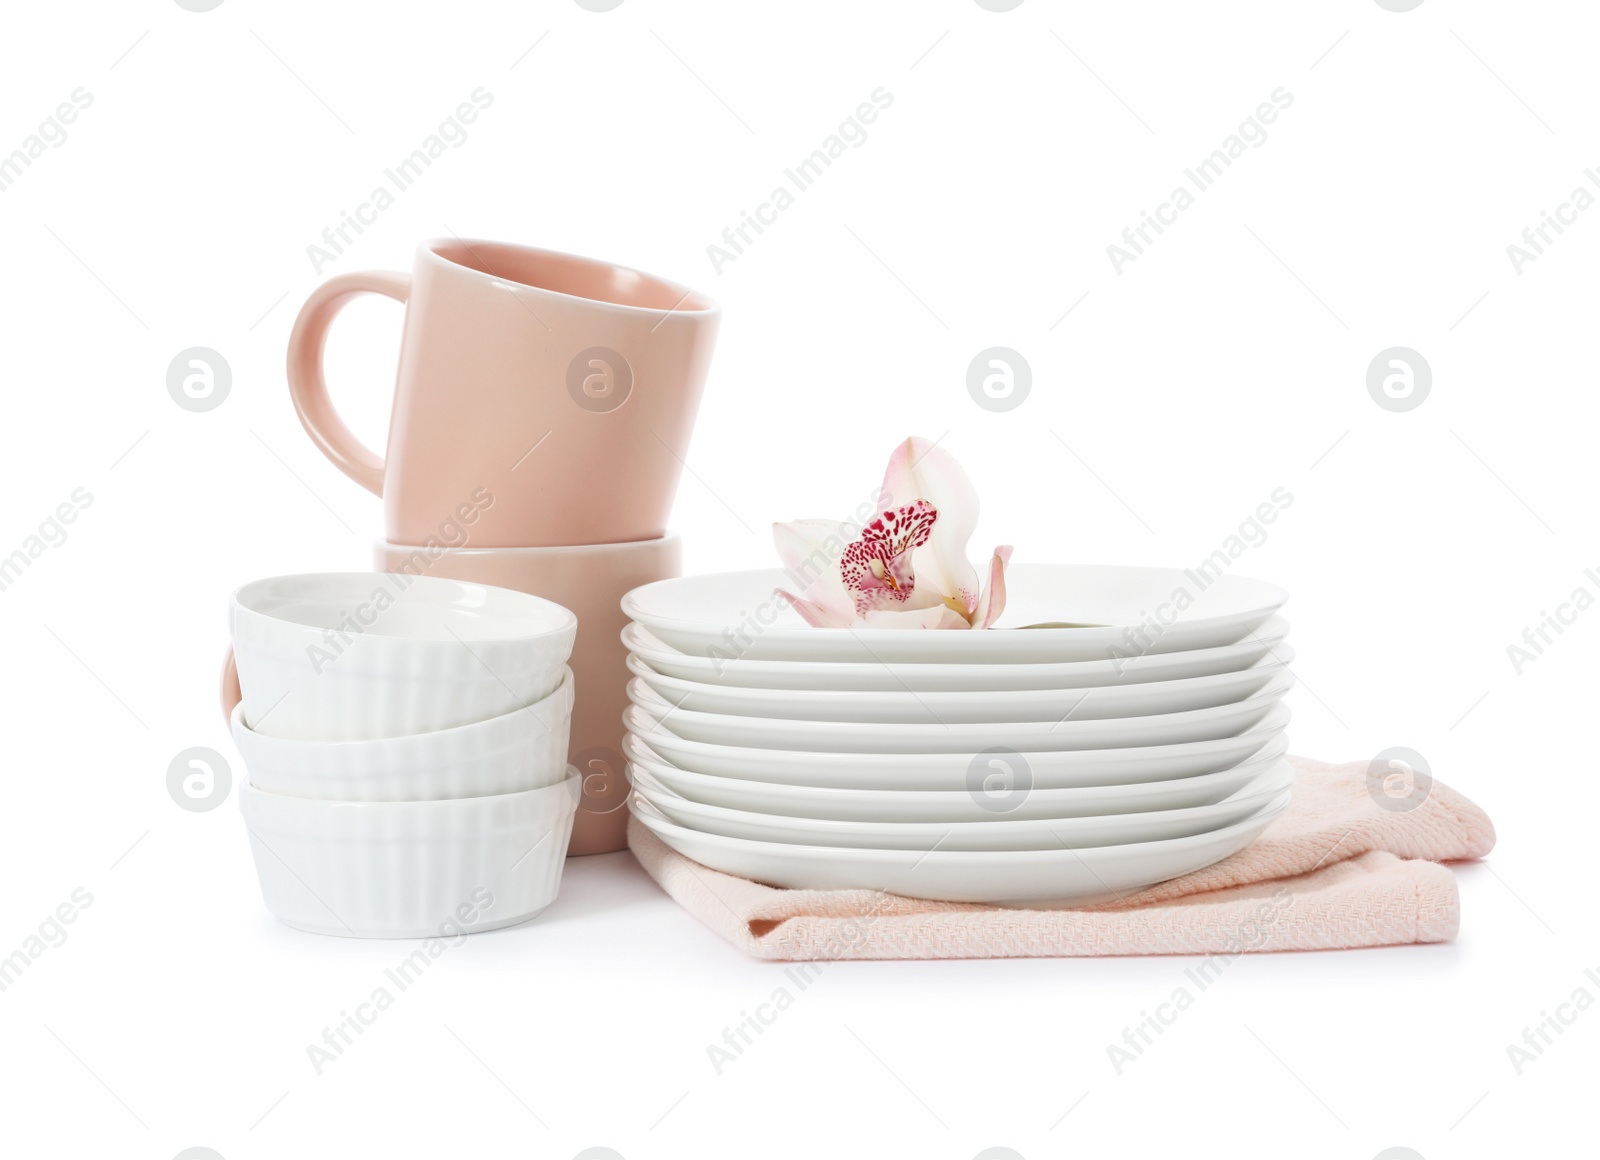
1228	361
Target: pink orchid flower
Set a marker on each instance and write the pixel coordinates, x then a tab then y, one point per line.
907	567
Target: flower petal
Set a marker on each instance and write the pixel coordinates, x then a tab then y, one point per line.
939	616
877	569
810	551
920	470
993	601
817	614
810	548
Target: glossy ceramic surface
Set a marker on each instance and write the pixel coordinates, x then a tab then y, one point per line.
1012	878
352	656
521	750
983	800
881	677
732	616
869	737
1048	769
521	371
997	832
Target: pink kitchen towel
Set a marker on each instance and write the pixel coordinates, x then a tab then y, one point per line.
1339	869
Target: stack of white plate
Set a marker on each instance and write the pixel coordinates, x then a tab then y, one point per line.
1121	726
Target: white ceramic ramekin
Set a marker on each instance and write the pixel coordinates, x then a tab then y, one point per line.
522	750
352	656
590	579
438	869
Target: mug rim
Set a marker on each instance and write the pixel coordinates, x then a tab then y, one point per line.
703	306
542	551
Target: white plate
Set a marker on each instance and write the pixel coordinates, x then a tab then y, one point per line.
969	707
1007	878
998	833
1054	769
891	678
866	737
736	615
952	805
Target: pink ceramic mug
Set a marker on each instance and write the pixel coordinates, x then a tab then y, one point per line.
589	581
541	398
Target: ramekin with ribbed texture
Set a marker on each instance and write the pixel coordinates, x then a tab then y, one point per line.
438	869
352	656
522	750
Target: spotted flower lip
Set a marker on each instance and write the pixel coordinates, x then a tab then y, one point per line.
905	568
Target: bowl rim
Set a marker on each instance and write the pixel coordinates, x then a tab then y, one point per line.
356	589
572	785
563	692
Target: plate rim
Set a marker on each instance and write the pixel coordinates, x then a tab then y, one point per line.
1281	774
1285	682
630	606
1277	666
955	859
652	757
656	644
828	756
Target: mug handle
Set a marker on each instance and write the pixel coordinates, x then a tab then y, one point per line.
308	388
231	694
